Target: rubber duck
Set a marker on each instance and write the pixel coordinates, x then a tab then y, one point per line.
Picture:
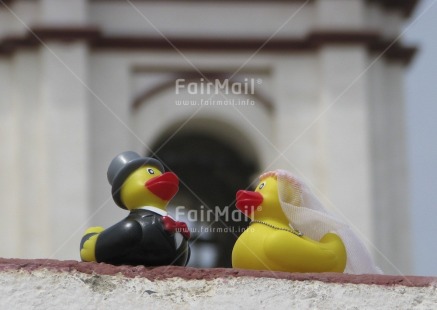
148	235
272	243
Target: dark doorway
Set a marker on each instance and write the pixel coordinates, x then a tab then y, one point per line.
211	172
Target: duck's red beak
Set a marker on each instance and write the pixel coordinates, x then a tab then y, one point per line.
165	186
248	201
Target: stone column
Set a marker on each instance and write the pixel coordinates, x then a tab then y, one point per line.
391	199
344	128
9	164
296	88
64	97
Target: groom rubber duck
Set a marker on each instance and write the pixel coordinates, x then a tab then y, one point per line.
148	235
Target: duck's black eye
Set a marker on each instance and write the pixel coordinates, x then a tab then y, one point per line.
262	185
150	170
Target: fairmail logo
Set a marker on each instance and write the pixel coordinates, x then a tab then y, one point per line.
225	86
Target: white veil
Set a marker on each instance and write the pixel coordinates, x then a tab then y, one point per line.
306	214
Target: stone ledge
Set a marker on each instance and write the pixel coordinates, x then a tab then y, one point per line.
51	284
189	273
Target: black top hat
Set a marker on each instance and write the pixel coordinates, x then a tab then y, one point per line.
122	166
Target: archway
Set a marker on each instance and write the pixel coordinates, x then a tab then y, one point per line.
211	171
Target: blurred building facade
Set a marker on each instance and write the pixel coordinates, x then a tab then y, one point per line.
316	87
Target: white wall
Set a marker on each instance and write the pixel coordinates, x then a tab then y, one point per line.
44	155
72	112
200	19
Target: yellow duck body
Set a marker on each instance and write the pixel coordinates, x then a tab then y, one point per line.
269	243
264	248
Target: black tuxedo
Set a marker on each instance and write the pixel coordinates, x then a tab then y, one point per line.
141	239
